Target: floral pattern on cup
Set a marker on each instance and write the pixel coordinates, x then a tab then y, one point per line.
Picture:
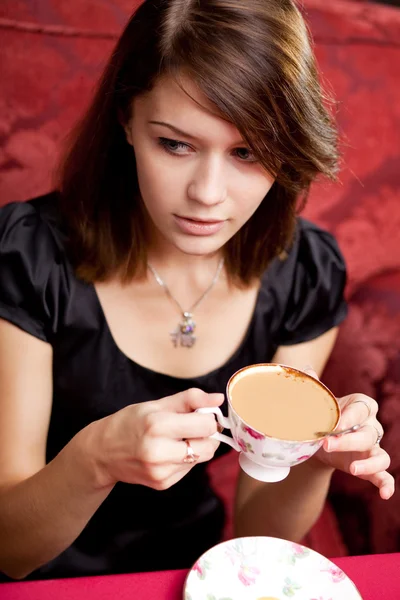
245	446
270	451
273	456
303	458
234	418
253	433
258	567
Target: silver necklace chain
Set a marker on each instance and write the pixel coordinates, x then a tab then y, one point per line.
183	335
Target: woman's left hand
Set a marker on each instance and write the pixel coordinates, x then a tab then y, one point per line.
359	453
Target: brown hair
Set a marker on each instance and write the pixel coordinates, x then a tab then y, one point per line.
253	60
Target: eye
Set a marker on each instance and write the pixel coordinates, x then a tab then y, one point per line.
173	146
245	155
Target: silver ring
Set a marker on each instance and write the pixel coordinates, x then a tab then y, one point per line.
367	404
190	456
379	436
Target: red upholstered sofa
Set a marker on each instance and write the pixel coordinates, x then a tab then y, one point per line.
52	52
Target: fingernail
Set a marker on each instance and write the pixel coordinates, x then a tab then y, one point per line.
330	445
386	494
356	470
309	370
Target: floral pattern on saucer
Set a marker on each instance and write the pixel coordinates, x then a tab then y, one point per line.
254	568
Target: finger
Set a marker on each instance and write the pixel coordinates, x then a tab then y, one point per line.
383	481
310	371
159	454
356	408
189	401
204	449
386	485
379	461
360	441
179	426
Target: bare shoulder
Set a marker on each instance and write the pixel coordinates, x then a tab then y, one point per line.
314	353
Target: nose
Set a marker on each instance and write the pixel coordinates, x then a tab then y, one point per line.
208	182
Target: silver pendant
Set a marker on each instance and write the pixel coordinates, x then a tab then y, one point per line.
184	333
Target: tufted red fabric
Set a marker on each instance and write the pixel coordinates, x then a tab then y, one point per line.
52	53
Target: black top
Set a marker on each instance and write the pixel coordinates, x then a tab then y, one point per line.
137	528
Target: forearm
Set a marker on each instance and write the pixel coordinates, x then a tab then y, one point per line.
287	509
42	515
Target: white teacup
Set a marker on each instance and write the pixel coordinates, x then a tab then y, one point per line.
261	456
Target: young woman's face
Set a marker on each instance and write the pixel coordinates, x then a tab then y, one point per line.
198	180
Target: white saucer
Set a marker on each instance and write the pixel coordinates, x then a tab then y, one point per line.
266	568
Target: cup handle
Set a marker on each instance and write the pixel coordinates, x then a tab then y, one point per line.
224	422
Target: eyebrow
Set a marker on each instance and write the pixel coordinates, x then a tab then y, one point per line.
173	128
184	133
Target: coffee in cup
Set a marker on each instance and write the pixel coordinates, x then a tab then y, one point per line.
283	404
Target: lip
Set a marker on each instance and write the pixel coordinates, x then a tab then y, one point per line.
198	226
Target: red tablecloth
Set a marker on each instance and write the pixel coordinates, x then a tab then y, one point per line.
377	577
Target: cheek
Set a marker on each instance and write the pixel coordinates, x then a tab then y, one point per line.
251	193
155	181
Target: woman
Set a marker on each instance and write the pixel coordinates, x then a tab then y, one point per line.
169	257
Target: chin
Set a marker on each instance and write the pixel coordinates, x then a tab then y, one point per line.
199	246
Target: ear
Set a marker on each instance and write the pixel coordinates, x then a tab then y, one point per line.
126	125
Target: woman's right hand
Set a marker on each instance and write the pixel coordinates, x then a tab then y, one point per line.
144	443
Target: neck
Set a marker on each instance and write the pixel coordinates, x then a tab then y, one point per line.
171	262
180	262
186	276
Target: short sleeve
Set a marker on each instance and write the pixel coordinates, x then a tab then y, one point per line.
317	279
32	273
